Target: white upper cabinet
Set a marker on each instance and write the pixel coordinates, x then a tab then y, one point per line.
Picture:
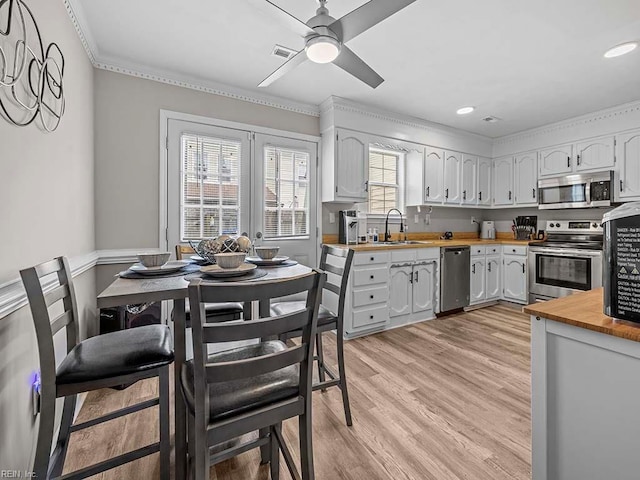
345	166
503	181
556	161
595	154
628	156
526	179
484	181
452	167
433	175
469	180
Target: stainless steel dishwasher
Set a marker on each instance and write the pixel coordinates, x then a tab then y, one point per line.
454	277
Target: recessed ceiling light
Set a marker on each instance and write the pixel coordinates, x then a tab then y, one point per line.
465	110
621	49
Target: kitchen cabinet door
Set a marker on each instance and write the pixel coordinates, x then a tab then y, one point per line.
478	290
503	181
515	278
493	278
433	176
556	161
469	180
484	181
526	179
628	155
452	190
400	291
424	287
352	166
595	154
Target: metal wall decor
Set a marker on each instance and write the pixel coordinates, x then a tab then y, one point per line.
31	84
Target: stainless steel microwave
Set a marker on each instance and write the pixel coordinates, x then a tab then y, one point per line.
576	191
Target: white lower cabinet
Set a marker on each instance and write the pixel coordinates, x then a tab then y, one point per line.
493	282
514	269
391	288
478	279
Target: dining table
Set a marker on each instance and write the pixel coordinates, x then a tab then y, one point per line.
133	291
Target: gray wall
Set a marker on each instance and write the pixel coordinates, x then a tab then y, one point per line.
46	210
127	148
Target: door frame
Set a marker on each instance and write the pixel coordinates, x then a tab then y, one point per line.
163	142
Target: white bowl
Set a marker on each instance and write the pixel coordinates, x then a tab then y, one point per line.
153	259
230	260
267	253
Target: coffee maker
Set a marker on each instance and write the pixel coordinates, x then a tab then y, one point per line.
352	227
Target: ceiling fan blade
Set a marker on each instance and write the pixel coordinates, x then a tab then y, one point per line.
353	64
365	17
294	24
285	68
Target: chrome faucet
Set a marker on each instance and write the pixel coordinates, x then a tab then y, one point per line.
387	234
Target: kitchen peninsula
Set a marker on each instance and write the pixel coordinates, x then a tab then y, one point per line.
585	390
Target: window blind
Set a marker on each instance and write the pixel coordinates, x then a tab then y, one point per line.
383	181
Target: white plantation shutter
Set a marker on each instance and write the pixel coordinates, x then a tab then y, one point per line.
210	187
383	181
286	200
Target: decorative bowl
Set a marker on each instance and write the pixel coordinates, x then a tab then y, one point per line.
230	260
267	253
209	247
153	259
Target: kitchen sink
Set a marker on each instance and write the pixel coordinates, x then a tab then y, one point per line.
405	242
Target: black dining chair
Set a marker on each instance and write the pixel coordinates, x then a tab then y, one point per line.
108	360
337	263
253	387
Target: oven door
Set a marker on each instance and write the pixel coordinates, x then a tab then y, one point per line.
558	272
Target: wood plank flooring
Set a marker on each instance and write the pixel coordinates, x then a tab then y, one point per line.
446	399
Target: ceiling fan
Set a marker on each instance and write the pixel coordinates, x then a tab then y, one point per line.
325	37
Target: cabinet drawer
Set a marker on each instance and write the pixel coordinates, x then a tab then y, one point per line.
478	250
428	253
494	249
370	317
404	255
515	250
370	276
370	258
369	296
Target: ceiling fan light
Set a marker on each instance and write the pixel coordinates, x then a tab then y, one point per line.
322	49
620	50
465	110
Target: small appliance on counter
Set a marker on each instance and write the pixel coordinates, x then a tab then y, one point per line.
621	265
352	227
488	230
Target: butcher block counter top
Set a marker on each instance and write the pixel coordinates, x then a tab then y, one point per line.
585	310
368	247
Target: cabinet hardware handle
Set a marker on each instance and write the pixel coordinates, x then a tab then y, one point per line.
514	250
416	279
523	268
578	160
371	297
509	194
366	186
489	267
480	196
371	277
621	185
446	193
464	194
411	278
473	268
533	192
428	189
568	162
372	259
370	317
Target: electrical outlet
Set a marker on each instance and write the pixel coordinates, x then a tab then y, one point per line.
416	218
332	217
473	219
427	219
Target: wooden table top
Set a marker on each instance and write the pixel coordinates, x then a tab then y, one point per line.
585	310
125	291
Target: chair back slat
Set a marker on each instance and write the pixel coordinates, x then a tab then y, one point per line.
182	250
259	328
252	367
333	269
61	321
47	268
332	288
337	252
57	294
344	271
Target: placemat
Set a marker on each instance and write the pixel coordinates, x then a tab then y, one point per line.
138	276
286	263
257	273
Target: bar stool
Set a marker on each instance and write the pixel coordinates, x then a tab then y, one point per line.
336	284
107	360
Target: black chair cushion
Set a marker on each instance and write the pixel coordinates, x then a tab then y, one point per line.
325	316
117	353
227	399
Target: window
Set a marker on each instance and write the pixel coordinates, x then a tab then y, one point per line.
210	190
286	193
384	189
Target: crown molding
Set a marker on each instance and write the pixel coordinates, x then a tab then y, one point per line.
342	104
589	118
76	14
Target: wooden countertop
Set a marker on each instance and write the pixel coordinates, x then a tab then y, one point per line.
585	310
370	247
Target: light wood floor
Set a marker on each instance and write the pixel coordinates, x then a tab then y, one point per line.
445	399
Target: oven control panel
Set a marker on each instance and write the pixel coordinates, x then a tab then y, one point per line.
574	226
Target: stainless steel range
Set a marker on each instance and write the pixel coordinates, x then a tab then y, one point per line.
569	261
